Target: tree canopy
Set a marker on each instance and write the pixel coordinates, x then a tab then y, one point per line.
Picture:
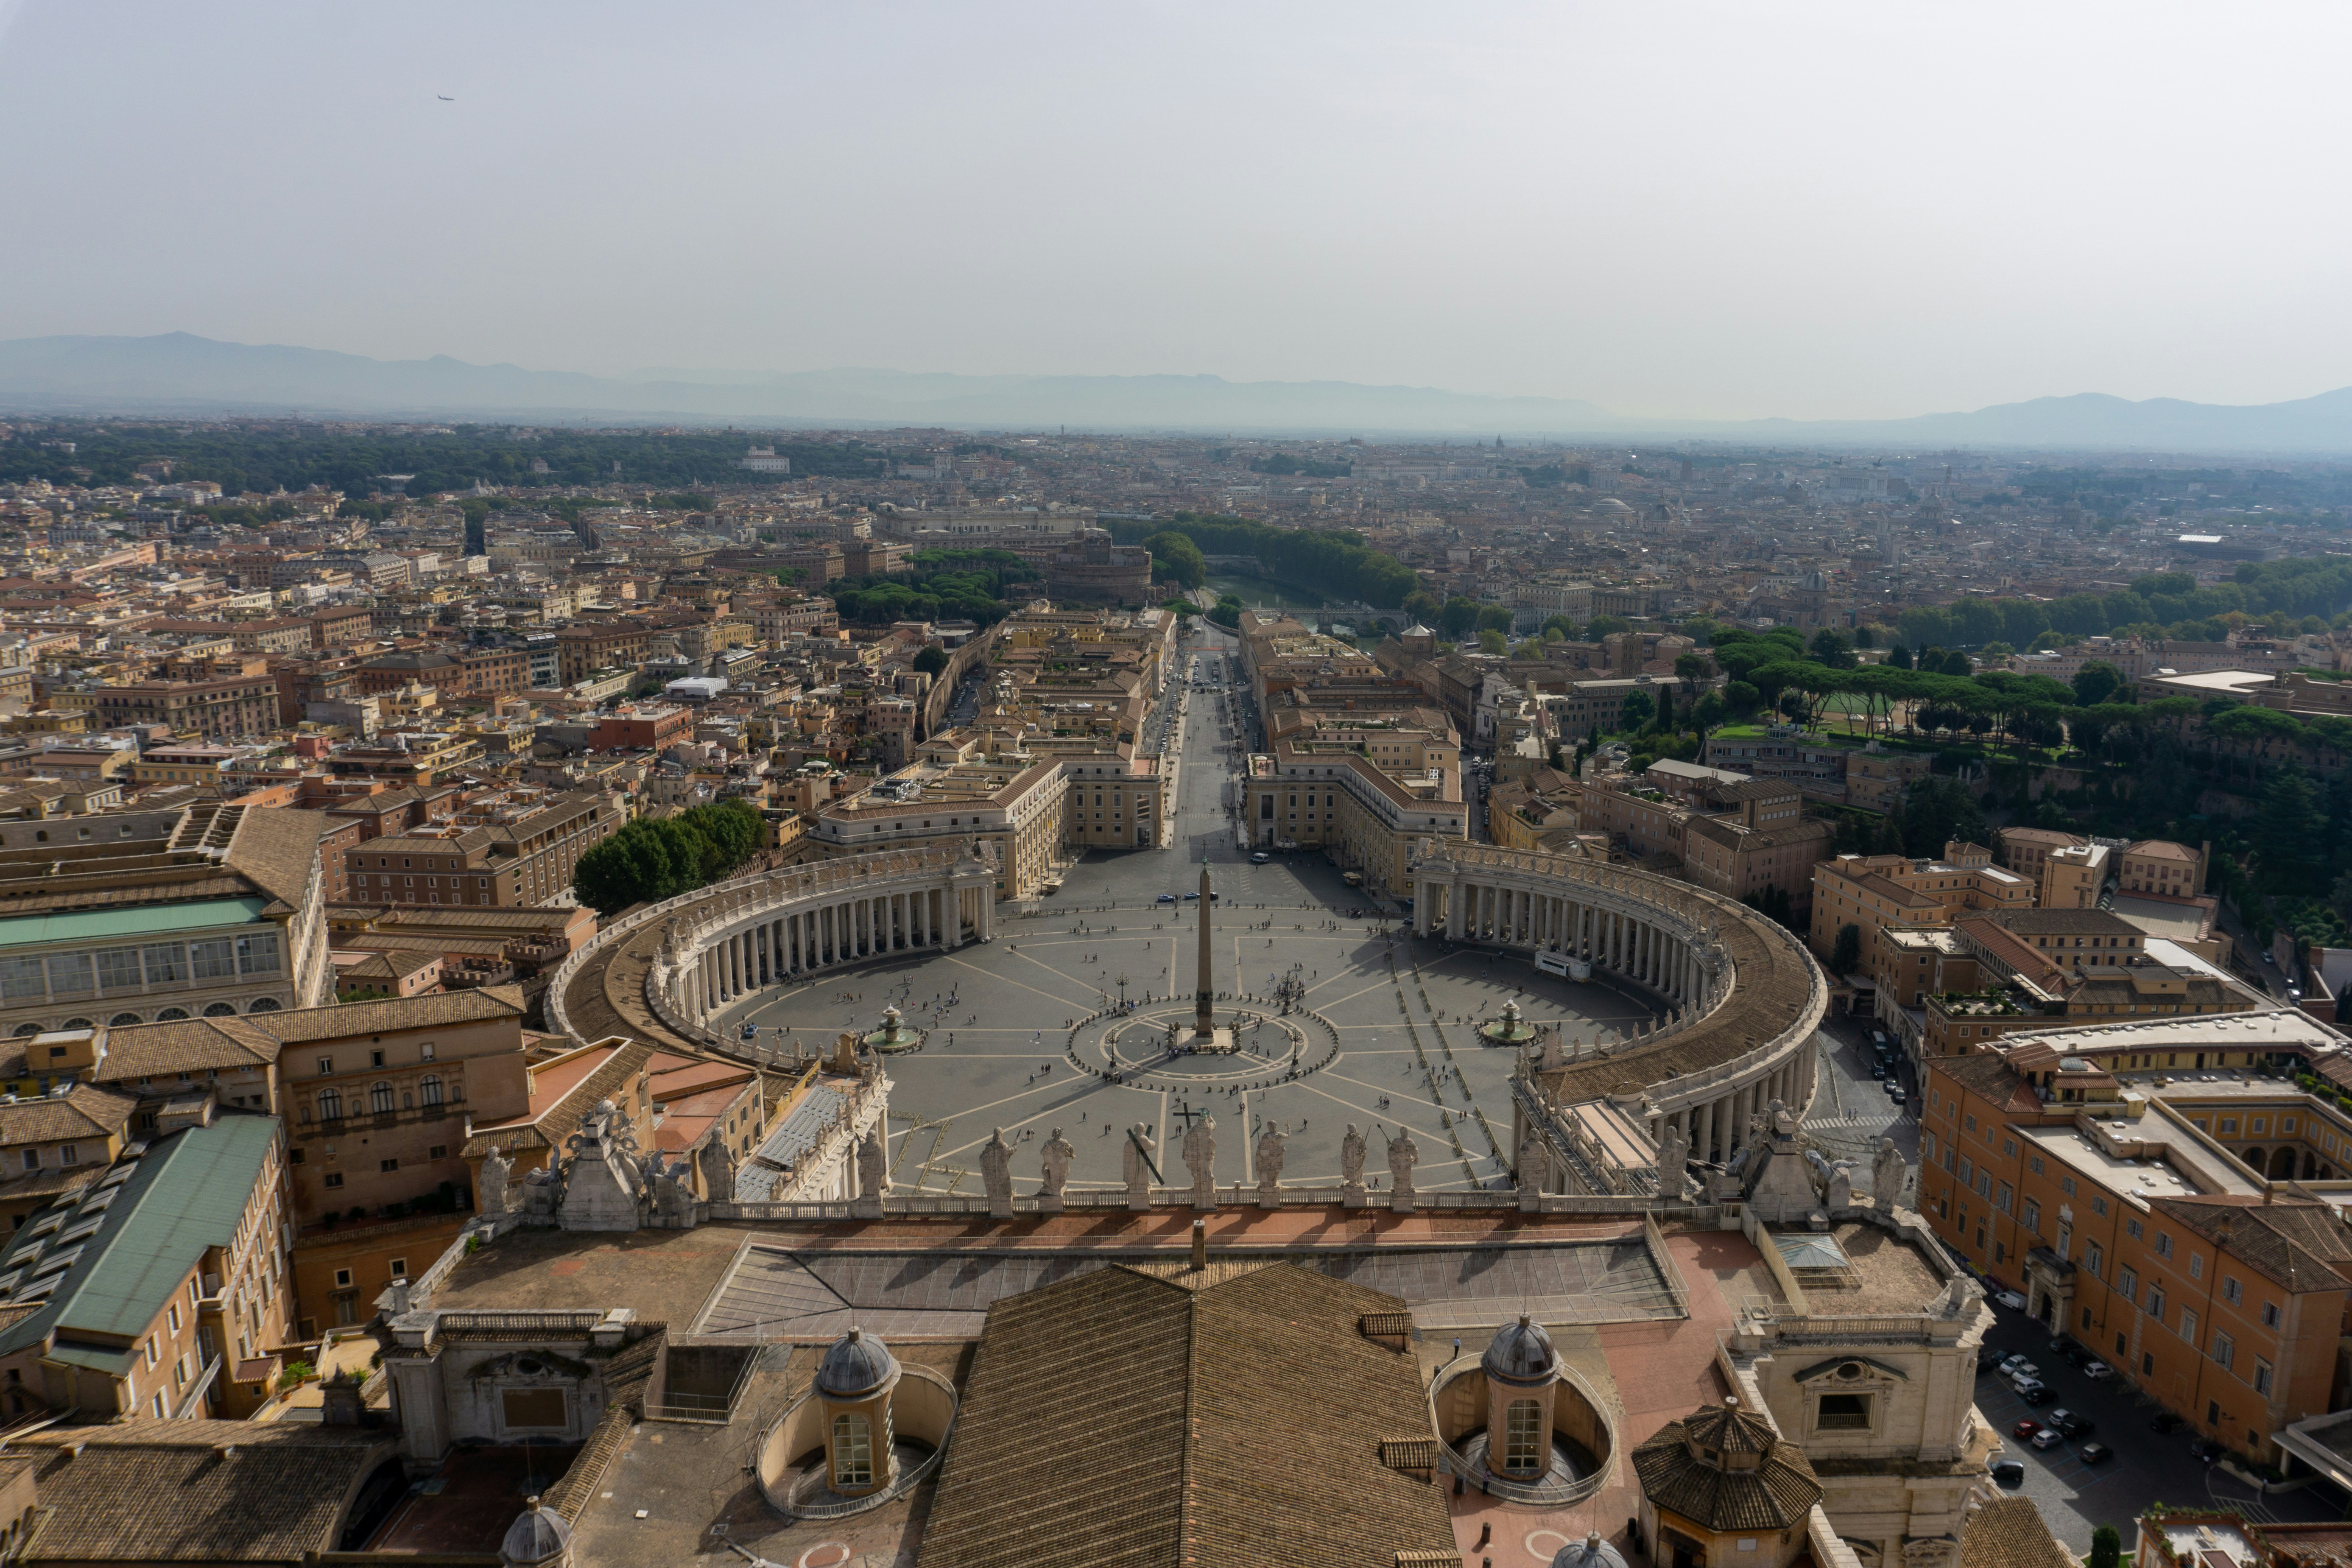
647	861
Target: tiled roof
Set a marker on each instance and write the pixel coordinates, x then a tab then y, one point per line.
547	1128
84	1110
1114	1419
1988	1076
199	1491
1773	1495
189	1047
2010	1532
2297	1245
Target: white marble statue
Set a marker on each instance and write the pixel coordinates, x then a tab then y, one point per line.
1887	1174
873	1165
496	1169
1351	1160
1269	1164
996	1174
1058	1154
1201	1161
1136	1164
1403	1155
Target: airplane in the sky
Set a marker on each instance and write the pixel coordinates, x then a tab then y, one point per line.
445	98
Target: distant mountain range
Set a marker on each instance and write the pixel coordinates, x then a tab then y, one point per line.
178	372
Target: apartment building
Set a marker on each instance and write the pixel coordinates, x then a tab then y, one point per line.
1012	802
2158	865
229	707
1877	892
210	907
1369	792
2114	1200
519	854
161	1289
586	648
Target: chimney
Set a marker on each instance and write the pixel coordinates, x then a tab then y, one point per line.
1200	1244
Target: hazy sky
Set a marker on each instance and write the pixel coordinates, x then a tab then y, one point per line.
1802	209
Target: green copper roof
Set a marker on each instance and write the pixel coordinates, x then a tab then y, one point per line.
185	1195
143	920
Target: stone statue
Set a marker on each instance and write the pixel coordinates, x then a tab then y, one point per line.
1269	1165
673	1195
1136	1163
1534	1171
1058	1153
873	1165
1403	1155
719	1171
1783	1124
1674	1158
996	1174
1201	1161
1887	1174
1841	1187
496	1171
1352	1166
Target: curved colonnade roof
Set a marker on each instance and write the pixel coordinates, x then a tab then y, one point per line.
1773	989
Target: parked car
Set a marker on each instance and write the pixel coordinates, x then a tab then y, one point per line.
2011	1472
2095	1453
2207	1449
2011	1364
1260	858
2035	1393
2023	1371
2012	1300
2048	1438
2164	1421
1166	899
1190	896
1894	1092
1878	1070
2026	1428
2073	1424
2074	1355
2098	1369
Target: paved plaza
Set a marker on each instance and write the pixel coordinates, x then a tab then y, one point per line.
1388	1043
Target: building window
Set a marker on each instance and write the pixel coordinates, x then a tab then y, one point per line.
2035	1165
2163	1245
429	1091
335	1179
69	1154
2232	1292
2262	1377
1844	1412
2127	1283
1523	1437
2033	1216
380	1098
331	1105
2270	1315
2197	1266
852	1450
2223	1350
2132	1228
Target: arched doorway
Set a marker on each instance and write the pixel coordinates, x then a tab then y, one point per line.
2252	1159
2282	1164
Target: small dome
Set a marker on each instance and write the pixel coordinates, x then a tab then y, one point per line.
857	1364
1590	1553
1418	630
1521	1354
537	1535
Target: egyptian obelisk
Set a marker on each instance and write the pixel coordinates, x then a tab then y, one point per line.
1203	1013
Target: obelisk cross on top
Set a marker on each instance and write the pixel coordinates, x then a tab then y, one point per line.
1203	1013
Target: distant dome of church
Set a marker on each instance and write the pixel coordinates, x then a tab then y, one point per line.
1521	1353
856	1364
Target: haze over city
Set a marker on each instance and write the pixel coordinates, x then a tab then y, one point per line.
1696	213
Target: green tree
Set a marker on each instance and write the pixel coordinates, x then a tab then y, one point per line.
1741	696
1845	955
1491	641
1182	609
1175	556
1459	618
1833	647
931	660
2286	828
1228	613
1493	618
1691	666
1636	711
1599	626
2106	1547
2096	682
